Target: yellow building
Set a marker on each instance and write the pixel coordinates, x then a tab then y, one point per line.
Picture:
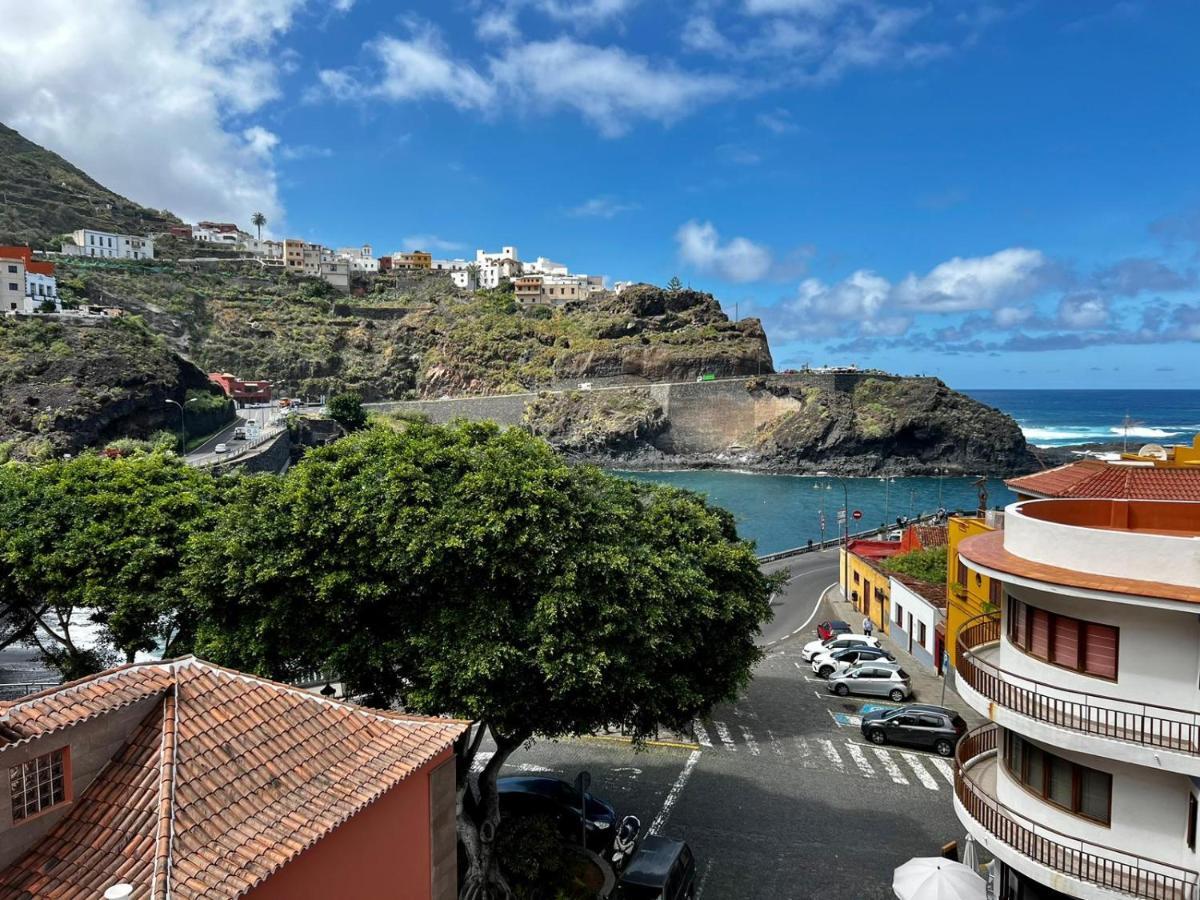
1167	457
869	586
417	259
968	593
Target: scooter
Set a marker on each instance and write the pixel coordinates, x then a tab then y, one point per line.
625	841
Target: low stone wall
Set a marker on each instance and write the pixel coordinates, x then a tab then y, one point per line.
272	457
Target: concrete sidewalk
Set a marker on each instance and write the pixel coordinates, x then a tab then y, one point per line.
927	687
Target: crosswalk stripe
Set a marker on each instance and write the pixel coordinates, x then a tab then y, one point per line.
751	744
832	754
701	733
775	745
802	746
945	768
920	771
723	734
860	759
889	766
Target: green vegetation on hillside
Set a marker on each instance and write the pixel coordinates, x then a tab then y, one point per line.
928	565
594	421
42	196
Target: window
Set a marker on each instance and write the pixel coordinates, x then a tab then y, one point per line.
930	721
13	286
1191	821
1078	789
12	270
38	785
921	633
899	615
995	592
962	573
1064	641
856	578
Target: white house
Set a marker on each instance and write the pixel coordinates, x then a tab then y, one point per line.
359	259
450	265
108	245
1086	780
543	266
12	285
41	290
917	610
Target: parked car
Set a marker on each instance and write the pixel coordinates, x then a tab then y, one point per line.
840	642
826	630
875	679
928	727
825	664
559	801
239	433
221	448
662	869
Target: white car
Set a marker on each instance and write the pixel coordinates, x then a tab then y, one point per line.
221	448
830	662
812	648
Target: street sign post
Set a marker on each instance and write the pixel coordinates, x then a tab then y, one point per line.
857	514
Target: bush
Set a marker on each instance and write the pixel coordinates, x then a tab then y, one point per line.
347	410
925	565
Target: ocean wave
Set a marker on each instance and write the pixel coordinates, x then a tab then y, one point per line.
1144	432
1055	434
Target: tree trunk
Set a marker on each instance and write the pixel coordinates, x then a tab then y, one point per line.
479	821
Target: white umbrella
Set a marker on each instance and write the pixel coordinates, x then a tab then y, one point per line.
970	854
934	878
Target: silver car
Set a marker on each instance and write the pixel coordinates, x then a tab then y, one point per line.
875	679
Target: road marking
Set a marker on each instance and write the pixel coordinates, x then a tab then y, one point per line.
751	744
723	734
832	754
701	733
845	720
481	760
529	767
673	795
889	766
630	771
817	605
802	746
704	879
921	772
775	745
860	759
945	768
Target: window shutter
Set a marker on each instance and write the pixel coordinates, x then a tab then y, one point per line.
1066	642
1039	628
1101	650
1017	632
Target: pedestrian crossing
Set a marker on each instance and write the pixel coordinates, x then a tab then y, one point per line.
839	754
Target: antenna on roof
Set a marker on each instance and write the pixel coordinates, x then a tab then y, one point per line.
1126	424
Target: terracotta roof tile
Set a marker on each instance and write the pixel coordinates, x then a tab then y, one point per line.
226	779
1098	479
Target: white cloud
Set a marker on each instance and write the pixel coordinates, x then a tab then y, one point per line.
601	208
305	151
1082	312
981	282
141	96
815	8
589	11
609	87
739	259
431	242
778	121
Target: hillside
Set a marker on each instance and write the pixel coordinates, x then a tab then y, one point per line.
42	196
419	336
67	387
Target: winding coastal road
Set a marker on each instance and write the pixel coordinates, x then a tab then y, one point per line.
795	605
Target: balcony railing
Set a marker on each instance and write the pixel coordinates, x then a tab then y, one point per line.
1097	864
1090	713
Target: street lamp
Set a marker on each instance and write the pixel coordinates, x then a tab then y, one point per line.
182	424
845	532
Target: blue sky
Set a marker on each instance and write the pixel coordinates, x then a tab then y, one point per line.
1002	194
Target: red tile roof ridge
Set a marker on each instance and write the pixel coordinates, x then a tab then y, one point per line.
160	884
368	711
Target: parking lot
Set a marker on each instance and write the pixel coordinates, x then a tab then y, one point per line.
780	795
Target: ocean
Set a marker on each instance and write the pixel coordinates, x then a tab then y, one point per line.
1060	418
783	511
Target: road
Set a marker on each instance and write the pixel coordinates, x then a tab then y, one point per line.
795	604
780	796
261	416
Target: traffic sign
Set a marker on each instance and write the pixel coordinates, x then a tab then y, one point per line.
857	514
841	516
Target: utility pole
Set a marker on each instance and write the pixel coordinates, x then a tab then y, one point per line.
845	535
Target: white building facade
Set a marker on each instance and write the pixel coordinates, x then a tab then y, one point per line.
12	286
109	245
1086	782
359	259
916	611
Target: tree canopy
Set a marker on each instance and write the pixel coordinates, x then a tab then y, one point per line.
925	565
470	571
98	541
347	410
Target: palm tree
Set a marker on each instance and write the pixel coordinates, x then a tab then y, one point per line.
258	220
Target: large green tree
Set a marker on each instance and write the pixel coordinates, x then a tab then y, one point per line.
469	571
92	543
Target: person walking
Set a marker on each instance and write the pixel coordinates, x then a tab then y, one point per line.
868	626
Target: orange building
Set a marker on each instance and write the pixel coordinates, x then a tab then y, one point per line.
181	779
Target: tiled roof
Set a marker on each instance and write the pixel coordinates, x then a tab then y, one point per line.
226	779
869	550
1098	479
934	593
932	535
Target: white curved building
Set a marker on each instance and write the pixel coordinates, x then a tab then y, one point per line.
1087	781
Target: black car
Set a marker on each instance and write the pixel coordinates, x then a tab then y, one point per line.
917	725
558	801
662	869
852	656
